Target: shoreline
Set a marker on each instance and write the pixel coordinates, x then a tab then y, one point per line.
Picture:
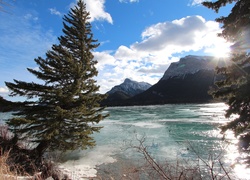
120	168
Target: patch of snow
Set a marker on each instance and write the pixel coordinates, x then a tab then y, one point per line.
85	167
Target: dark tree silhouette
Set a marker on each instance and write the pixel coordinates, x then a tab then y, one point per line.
235	87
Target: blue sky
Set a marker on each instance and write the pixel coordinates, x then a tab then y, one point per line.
139	38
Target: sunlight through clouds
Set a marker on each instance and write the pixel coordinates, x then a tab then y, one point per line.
220	49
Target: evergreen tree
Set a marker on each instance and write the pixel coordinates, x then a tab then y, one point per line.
62	112
235	87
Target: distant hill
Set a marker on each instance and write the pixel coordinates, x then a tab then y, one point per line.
131	88
185	81
118	94
6	105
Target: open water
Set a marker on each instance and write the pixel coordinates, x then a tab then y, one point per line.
170	132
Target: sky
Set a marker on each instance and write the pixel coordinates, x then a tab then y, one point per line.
138	39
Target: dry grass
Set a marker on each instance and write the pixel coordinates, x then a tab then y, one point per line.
8	169
8	172
5	172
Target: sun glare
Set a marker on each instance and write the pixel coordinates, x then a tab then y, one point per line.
222	51
234	157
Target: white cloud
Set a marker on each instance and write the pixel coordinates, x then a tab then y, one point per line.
182	35
55	12
103	58
154	68
196	2
30	17
97	10
4	90
126	1
124	53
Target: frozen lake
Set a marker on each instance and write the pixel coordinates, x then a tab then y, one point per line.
170	132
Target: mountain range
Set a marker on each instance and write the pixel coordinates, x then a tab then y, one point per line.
185	81
6	105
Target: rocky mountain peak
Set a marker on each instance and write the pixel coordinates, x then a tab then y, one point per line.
127	80
190	65
130	87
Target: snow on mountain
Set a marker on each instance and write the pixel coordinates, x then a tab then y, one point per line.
130	87
190	65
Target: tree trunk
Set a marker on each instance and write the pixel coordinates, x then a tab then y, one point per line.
41	148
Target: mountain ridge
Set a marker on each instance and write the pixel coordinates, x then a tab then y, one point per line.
191	64
185	81
130	87
120	93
